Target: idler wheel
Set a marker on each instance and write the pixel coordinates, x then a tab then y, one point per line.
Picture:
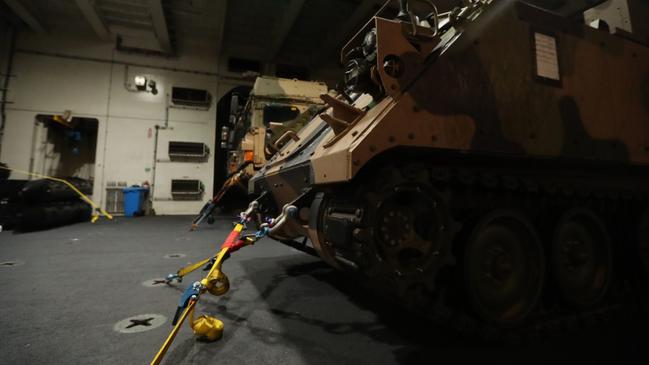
581	258
504	268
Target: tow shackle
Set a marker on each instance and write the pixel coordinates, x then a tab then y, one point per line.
289	211
252	207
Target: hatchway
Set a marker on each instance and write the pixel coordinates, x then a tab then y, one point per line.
223	112
64	146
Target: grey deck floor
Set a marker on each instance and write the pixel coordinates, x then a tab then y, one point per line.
284	307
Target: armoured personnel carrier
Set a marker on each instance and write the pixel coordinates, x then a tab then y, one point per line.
487	166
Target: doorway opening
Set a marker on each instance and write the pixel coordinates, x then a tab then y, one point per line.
223	113
233	199
65	147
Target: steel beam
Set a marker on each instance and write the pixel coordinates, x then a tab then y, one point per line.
88	9
291	15
25	15
222	9
160	25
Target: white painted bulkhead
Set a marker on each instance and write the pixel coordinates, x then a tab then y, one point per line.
52	74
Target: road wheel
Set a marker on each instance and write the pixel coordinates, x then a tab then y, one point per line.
504	268
581	258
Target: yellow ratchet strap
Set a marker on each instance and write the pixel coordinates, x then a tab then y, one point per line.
213	326
217	263
193	267
207	327
82	195
163	350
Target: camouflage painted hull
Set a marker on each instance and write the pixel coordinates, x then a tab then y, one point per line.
511	145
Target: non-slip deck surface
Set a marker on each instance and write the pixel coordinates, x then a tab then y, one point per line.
71	285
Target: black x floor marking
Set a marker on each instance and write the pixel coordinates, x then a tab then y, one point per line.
140	322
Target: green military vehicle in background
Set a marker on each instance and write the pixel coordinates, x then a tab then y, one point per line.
275	109
272	113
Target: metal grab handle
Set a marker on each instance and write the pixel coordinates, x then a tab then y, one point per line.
405	9
285	137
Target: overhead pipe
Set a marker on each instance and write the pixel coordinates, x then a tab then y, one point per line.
158	128
5	86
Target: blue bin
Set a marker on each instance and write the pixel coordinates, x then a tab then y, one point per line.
134	200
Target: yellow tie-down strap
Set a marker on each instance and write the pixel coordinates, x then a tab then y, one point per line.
163	350
213	275
74	188
190	308
193	267
188	269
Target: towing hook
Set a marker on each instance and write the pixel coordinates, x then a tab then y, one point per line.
171	277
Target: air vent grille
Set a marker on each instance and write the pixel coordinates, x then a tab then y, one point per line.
191	151
186	189
115	197
191	97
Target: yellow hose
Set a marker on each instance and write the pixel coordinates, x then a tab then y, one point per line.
82	195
